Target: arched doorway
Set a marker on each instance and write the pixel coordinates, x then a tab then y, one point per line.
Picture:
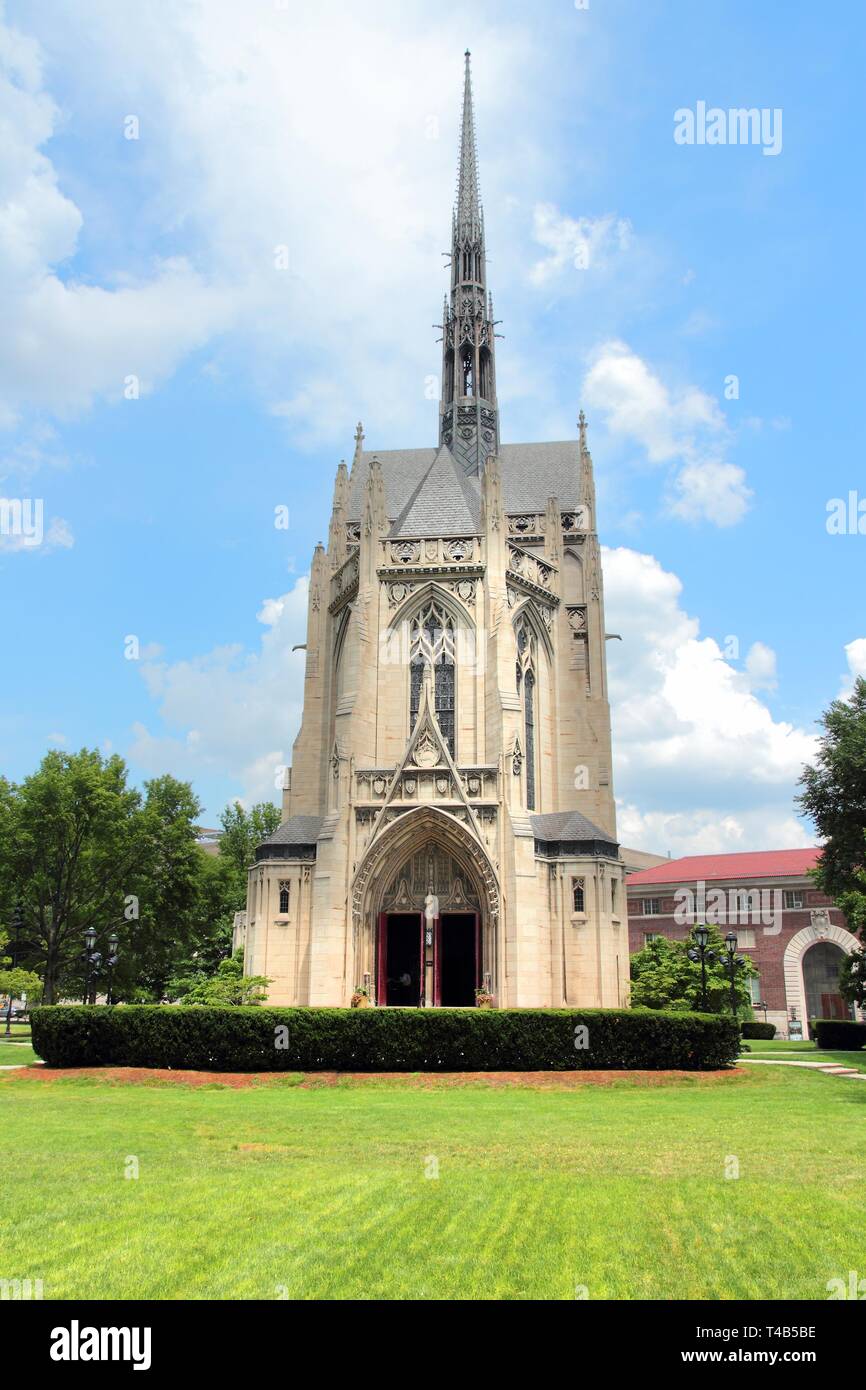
821	965
821	932
439	961
408	960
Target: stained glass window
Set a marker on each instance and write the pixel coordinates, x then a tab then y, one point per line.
433	646
529	721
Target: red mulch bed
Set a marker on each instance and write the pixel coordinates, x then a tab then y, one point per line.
240	1080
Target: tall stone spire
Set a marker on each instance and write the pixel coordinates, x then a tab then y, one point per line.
468	210
468	413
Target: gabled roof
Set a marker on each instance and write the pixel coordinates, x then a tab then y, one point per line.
531	473
442	504
754	864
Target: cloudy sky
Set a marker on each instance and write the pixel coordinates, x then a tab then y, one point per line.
221	237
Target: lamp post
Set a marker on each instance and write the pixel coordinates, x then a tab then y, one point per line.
699	952
111	963
94	962
17	928
732	965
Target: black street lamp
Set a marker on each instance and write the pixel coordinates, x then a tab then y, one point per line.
17	928
699	952
94	962
111	963
732	965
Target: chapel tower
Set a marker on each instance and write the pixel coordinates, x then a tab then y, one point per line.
448	820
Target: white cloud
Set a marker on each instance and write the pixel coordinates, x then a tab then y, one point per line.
761	667
66	341
855	653
711	491
304	127
684	428
575	243
231	711
700	760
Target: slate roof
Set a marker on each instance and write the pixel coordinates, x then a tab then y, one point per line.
753	864
428	494
296	831
567	825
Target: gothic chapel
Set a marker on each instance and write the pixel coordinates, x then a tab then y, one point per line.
448	819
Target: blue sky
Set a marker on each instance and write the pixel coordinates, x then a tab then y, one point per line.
262	127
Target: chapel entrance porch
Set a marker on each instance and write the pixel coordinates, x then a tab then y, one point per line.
423	964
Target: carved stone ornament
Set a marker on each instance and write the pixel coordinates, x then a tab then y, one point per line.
460	550
379	785
426	753
405	552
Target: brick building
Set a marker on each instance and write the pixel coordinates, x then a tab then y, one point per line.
794	934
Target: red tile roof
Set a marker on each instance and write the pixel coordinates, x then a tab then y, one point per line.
762	863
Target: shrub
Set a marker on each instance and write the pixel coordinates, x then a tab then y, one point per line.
753	1029
839	1034
306	1039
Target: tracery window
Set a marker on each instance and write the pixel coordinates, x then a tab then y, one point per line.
284	895
526	648
432	644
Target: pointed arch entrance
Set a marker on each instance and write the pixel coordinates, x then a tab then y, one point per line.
426	854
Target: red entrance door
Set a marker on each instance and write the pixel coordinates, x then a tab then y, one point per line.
399	966
457	959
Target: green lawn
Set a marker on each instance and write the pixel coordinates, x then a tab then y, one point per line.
15	1052
322	1192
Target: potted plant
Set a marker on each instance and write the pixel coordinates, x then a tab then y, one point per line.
484	999
361	998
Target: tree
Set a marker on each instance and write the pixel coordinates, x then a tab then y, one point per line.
81	849
18	983
166	914
72	856
229	986
663	977
852	978
242	832
834	796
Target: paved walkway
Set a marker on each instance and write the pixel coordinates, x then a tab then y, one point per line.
831	1068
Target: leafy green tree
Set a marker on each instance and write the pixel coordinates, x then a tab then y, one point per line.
71	858
164	917
852	978
18	982
229	986
242	832
81	849
834	796
663	977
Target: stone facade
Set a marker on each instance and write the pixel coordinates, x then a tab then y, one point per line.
449	818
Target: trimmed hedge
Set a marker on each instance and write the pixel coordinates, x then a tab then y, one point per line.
307	1039
839	1034
754	1029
